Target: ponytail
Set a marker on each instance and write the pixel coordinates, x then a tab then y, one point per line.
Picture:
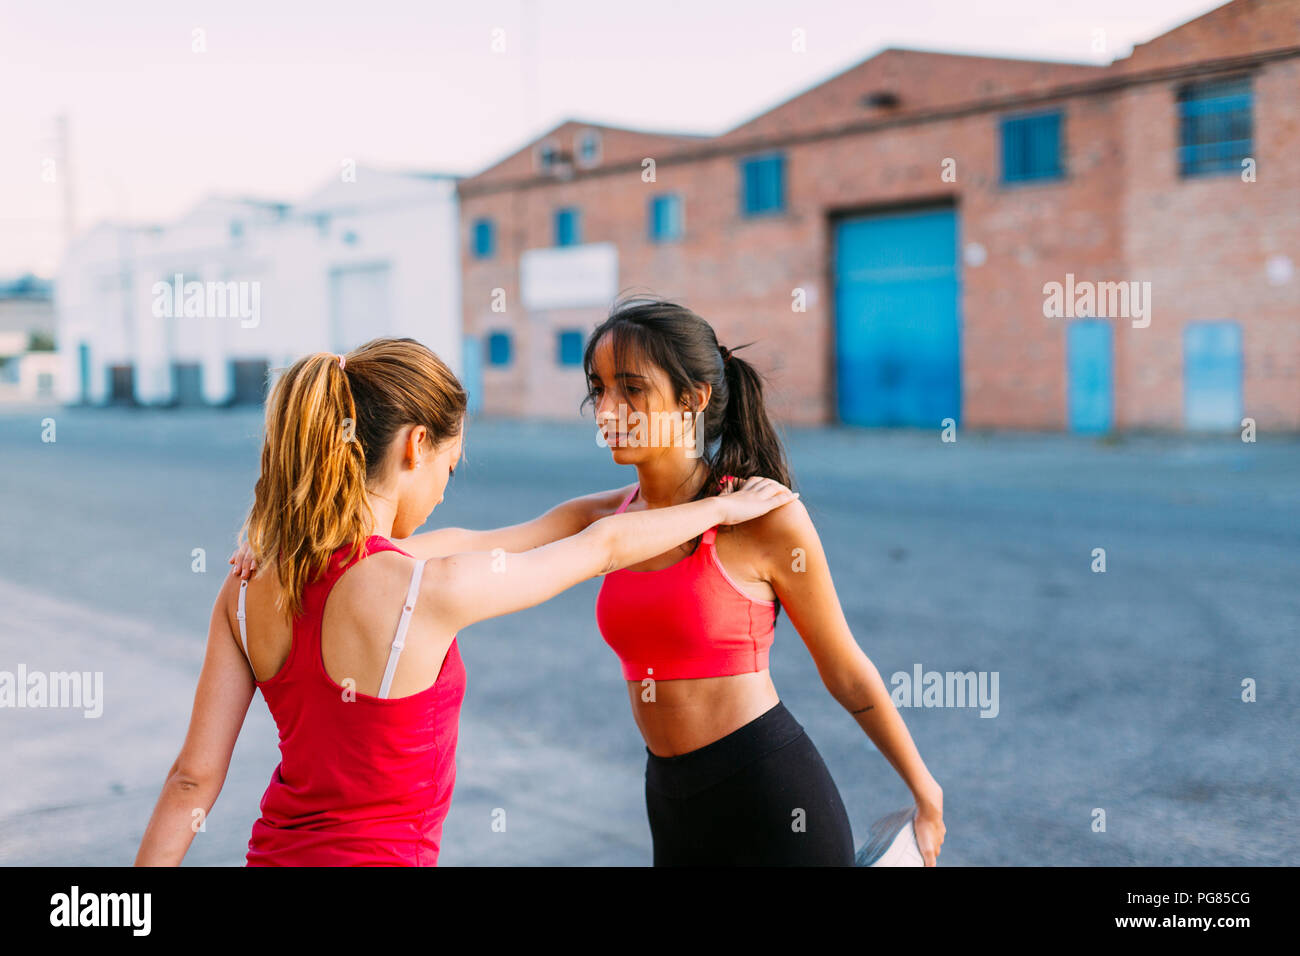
310	499
747	443
330	420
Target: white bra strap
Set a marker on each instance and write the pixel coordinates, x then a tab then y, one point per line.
399	640
243	631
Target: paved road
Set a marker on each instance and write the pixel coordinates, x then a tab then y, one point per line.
1119	691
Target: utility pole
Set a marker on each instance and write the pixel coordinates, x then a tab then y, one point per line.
65	172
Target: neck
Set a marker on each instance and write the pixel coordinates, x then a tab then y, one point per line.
667	483
385	512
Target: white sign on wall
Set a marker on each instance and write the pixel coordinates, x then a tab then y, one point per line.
569	277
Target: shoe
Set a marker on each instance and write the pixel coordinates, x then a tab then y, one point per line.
892	842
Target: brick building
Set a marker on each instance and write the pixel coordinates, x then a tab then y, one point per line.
889	240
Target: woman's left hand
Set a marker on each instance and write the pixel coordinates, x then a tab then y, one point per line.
930	829
243	562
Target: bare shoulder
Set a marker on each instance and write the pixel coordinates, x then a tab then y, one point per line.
371	582
791	520
776	532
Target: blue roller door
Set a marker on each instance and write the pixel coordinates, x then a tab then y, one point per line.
896	303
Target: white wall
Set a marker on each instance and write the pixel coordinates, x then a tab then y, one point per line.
406	225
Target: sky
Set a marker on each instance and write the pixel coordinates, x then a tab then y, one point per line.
283	91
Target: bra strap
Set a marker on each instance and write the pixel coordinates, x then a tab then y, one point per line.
709	536
399	640
628	500
239	613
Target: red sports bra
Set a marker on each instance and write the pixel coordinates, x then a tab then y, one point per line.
687	620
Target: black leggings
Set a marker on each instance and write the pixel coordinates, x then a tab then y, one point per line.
760	796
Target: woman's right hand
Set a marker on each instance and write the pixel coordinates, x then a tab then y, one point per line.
756	496
243	562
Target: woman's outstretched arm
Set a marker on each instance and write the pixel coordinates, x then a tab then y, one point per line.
565	519
801	577
475	586
220	704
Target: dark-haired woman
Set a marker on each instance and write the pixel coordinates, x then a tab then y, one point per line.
731	777
351	639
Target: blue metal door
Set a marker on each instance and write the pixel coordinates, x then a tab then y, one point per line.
1091	388
1212	375
897	343
83	369
472	367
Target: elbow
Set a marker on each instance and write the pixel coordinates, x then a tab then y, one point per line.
187	777
606	544
851	682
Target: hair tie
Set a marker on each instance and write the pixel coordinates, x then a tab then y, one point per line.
726	353
342	363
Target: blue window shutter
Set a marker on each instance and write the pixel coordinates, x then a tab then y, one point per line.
665	217
1215	125
499	348
762	185
568	349
484	239
567	227
1031	147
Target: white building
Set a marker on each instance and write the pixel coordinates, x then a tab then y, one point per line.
27	369
198	311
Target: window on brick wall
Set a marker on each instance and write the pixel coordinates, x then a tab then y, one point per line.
666	218
546	156
568	347
1031	147
484	239
762	185
568	230
499	348
1215	126
588	148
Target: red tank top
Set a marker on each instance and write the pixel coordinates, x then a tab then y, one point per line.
684	621
363	782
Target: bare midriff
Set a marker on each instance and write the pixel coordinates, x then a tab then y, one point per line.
685	715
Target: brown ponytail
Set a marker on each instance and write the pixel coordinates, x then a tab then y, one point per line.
747	442
329	425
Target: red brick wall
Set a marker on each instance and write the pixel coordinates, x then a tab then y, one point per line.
1121	214
1204	243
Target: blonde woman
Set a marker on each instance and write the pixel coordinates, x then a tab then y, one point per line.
351	639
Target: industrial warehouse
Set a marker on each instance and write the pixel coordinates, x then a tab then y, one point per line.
891	240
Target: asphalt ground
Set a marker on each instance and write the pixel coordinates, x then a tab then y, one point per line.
1118	691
